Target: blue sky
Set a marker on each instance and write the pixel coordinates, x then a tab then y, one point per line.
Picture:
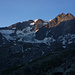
13	11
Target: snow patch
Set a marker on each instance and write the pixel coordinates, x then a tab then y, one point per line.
64	47
15	44
6	32
70	42
35	20
30	60
42	52
32	23
48	32
67	39
14	28
47	21
47	40
64	41
20	40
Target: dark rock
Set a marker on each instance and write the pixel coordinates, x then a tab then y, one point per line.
4	52
19	26
62	28
41	34
38	24
3	40
30	21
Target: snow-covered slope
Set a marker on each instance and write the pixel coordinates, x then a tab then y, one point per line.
24	31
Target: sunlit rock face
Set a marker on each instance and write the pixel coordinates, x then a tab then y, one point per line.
60	18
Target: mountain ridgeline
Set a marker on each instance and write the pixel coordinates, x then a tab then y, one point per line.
39	47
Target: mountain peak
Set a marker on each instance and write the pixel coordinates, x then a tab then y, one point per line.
30	21
61	15
60	18
39	20
69	14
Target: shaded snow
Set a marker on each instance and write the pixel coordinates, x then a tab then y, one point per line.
20	40
70	42
42	52
15	44
47	40
47	21
29	36
67	39
14	28
48	32
64	41
8	37
64	46
30	60
6	32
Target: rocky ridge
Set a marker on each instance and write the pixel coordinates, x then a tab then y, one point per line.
25	45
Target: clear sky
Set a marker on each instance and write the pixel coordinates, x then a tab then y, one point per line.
13	11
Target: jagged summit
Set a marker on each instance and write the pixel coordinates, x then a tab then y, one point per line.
61	15
60	18
38	23
40	20
30	21
69	14
65	16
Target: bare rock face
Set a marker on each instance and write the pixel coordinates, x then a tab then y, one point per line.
38	24
60	18
30	21
19	25
61	25
39	21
